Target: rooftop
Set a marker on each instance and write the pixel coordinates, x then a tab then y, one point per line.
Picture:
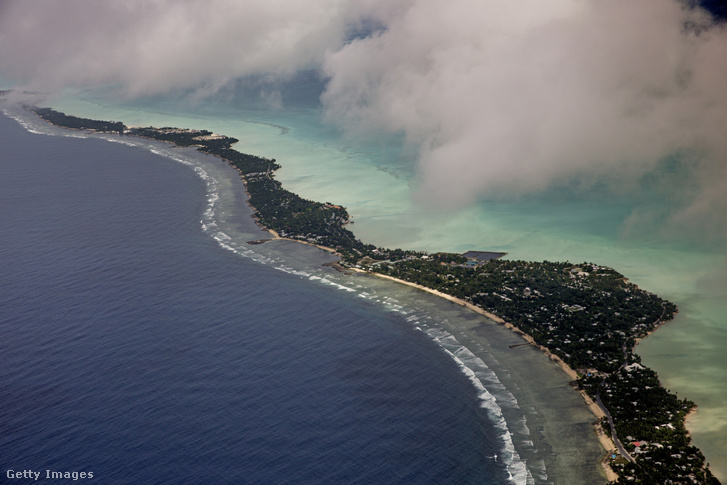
483	255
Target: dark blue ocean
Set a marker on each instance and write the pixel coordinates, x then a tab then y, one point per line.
135	347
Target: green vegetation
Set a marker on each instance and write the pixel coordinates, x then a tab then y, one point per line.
66	121
585	314
588	315
650	422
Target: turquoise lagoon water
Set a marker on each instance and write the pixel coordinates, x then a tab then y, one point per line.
376	181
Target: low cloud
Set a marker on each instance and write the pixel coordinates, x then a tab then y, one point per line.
151	47
504	98
508	98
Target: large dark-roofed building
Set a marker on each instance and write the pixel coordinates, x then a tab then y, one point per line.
482	255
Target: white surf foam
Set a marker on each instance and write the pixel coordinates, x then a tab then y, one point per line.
329	282
209	221
493	396
121	141
33	126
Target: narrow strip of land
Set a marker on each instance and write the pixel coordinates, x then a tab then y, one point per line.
585	317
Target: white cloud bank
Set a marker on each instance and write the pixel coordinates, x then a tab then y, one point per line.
512	96
154	46
502	97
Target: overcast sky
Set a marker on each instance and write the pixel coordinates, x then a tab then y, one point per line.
522	95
